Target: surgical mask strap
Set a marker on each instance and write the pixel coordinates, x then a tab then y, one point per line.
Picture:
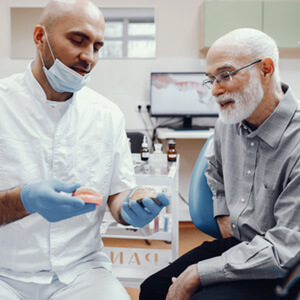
46	35
42	58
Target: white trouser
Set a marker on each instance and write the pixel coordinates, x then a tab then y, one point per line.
95	284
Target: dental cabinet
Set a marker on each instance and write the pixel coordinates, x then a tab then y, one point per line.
133	265
279	19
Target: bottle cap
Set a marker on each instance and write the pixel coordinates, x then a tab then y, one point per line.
145	144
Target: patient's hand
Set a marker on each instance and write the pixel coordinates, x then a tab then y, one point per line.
224	225
184	286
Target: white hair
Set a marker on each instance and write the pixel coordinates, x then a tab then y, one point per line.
254	44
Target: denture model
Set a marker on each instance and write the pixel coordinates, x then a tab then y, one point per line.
88	195
141	192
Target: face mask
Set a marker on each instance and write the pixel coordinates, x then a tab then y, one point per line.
62	78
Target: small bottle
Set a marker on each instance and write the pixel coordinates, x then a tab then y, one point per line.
158	158
157	151
172	153
144	149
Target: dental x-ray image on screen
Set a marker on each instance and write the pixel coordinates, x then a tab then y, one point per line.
181	95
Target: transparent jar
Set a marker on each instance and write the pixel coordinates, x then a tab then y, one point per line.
158	159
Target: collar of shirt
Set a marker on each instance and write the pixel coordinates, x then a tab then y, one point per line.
279	119
35	88
33	85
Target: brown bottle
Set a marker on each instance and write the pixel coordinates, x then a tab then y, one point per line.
172	153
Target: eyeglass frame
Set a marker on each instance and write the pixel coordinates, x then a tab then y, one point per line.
210	81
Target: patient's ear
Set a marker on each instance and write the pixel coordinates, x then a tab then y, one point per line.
267	67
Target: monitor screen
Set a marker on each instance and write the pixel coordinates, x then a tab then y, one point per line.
181	95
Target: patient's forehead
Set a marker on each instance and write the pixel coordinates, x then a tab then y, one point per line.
221	57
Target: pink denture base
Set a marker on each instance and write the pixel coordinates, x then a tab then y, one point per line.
88	195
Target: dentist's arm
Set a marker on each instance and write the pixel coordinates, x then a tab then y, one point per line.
44	198
11	206
115	203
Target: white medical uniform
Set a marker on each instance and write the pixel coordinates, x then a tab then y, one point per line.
80	141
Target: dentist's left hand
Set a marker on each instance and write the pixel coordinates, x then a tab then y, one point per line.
140	215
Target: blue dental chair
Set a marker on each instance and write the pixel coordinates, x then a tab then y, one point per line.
200	197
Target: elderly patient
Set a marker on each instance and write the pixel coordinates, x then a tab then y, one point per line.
254	175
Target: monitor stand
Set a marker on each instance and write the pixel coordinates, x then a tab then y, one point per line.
187	125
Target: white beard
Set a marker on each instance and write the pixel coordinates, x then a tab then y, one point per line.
246	101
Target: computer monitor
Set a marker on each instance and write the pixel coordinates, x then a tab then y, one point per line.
181	95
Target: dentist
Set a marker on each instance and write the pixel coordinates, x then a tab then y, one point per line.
56	134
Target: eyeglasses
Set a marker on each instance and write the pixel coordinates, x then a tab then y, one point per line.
225	76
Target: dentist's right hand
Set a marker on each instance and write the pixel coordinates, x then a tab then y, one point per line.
44	197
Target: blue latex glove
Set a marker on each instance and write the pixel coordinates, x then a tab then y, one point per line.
44	197
138	215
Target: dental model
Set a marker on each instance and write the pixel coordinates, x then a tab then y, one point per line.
141	192
88	195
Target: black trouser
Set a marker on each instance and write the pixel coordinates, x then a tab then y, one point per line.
156	286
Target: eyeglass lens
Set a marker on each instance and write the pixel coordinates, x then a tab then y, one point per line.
224	76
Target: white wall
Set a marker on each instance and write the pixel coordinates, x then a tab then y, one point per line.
126	82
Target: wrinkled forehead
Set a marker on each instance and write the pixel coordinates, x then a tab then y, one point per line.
223	56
